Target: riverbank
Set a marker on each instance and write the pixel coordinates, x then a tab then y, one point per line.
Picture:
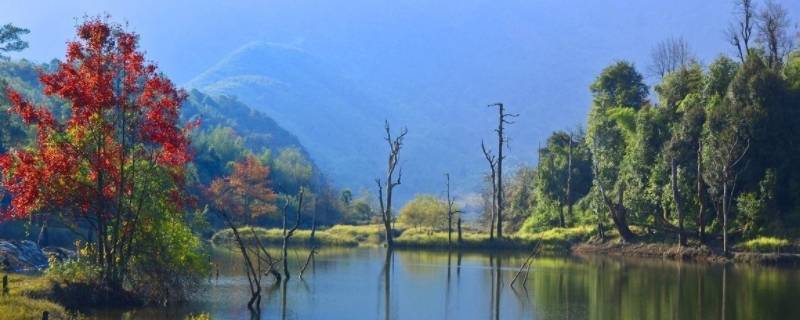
579	240
554	241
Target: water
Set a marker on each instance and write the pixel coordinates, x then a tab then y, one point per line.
359	283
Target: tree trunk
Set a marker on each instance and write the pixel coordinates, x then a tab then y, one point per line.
449	229
43	238
677	199
620	219
494	210
700	198
725	217
568	192
460	239
561	222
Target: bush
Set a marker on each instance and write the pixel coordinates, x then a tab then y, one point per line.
72	271
765	245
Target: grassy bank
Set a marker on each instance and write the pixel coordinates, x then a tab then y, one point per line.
558	240
27	299
339	235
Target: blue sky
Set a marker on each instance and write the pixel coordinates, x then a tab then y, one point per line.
186	37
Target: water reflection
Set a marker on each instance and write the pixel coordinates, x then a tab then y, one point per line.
372	283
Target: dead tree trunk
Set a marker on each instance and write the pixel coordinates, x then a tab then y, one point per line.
395	144
676	196
492	175
501	139
287	234
450	214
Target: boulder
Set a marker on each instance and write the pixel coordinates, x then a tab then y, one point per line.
21	256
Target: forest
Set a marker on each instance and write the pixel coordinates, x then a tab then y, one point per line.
102	154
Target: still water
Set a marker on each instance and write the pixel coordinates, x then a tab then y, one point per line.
361	283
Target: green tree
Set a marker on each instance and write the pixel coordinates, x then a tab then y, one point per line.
617	93
424	210
11	40
564	172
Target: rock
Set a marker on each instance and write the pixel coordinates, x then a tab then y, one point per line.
59	254
21	256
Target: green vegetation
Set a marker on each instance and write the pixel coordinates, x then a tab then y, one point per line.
340	235
26	299
765	245
424	210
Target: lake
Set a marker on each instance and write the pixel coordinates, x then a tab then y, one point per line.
357	283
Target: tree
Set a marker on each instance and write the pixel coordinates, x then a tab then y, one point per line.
502	120
564	171
773	33
726	142
425	210
238	198
246	192
490	158
670	55
740	32
451	211
618	93
95	166
292	170
11	40
394	157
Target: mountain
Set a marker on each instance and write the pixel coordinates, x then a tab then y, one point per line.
259	131
341	123
340	126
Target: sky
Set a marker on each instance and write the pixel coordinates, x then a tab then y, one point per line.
440	59
186	37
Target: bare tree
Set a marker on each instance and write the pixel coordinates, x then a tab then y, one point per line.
773	33
394	156
669	55
287	234
501	139
740	32
450	214
490	158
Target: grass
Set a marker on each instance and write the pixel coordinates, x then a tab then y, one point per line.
25	299
557	240
339	235
765	245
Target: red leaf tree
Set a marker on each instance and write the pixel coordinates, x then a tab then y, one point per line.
96	167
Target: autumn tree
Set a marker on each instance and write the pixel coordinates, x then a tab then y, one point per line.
239	198
98	167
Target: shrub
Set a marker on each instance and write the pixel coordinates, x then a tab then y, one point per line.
765	244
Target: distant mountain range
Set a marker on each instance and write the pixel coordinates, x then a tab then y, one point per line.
341	123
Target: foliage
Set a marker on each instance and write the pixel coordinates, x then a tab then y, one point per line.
765	244
244	195
116	162
424	211
11	40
